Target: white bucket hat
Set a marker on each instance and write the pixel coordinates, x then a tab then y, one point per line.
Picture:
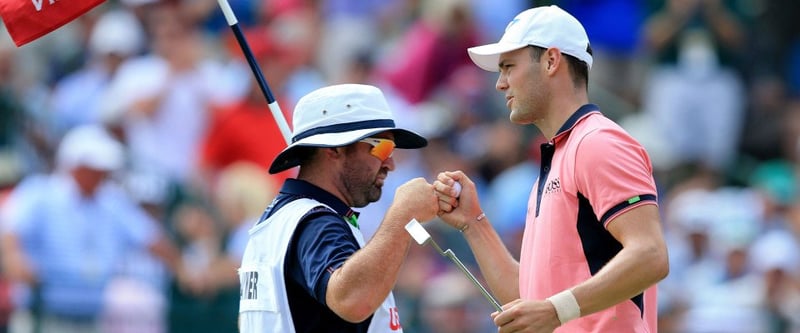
340	115
545	27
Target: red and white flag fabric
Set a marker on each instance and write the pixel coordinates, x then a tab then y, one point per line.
27	20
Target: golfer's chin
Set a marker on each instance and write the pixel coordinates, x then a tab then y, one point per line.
373	195
515	117
519	118
376	193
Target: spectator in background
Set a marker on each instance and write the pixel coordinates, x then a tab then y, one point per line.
421	265
432	49
12	117
783	300
295	25
726	243
503	200
492	18
246	130
765	134
775	255
775	46
695	89
349	26
77	98
64	234
734	300
451	304
208	14
693	261
614	27
216	246
162	99
202	306
25	139
6	303
135	300
241	191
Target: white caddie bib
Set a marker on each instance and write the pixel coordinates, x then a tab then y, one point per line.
264	304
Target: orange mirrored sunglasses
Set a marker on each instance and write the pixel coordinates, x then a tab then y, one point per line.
381	148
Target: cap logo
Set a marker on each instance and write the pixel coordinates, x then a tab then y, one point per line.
515	20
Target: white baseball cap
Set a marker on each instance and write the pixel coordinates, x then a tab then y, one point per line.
117	31
547	26
90	146
340	115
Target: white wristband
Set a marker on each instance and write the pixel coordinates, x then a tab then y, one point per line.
566	305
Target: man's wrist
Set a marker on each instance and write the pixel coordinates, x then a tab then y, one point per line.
566	306
466	225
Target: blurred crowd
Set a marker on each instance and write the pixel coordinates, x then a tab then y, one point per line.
710	87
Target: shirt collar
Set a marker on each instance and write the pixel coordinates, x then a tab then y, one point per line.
305	189
573	120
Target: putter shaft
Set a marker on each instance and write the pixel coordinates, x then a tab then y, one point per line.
450	254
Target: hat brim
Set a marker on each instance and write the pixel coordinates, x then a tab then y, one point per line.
289	158
487	57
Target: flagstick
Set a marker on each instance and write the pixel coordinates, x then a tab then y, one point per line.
262	83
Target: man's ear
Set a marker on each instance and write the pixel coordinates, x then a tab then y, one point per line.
334	152
553	58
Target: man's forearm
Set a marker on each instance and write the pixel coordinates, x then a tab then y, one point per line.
631	272
358	287
498	267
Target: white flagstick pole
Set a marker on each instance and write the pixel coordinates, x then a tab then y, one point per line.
421	236
262	83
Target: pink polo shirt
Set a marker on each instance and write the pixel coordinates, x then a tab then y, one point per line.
592	171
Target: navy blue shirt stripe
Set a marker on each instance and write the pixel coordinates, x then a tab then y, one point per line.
599	246
548	150
623	205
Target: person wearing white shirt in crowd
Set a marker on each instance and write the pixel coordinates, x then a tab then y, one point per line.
65	233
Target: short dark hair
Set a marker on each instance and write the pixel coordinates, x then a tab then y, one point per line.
578	69
305	154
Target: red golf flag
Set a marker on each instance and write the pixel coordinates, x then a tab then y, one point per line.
27	20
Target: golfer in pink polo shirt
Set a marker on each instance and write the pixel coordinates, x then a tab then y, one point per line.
592	251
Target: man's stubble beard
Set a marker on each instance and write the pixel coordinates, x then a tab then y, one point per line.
360	187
